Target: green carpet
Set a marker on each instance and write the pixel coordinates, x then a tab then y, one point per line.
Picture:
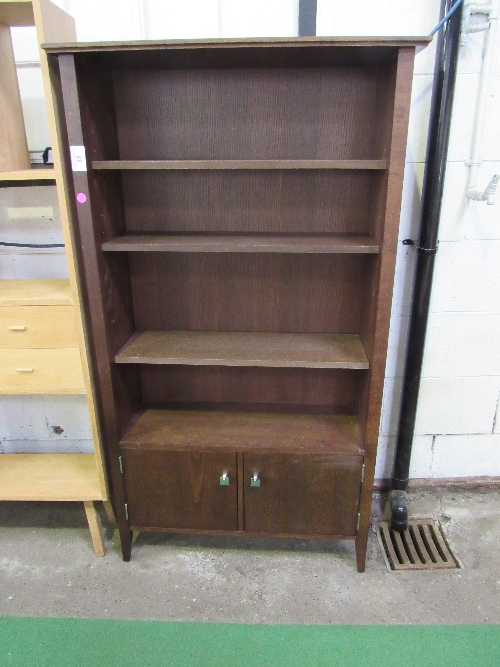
45	642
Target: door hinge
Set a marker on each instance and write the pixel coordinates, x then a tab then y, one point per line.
121	464
126	511
357	525
362	471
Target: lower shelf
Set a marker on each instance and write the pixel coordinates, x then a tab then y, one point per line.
238	431
61	477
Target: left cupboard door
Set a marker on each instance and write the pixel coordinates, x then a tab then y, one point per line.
179	489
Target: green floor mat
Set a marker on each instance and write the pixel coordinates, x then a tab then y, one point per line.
51	642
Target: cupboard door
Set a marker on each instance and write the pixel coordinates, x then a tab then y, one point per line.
169	489
301	494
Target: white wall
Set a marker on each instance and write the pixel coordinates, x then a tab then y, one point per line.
458	421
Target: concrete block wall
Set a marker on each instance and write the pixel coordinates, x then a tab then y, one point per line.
458	421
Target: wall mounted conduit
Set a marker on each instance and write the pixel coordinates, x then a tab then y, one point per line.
437	151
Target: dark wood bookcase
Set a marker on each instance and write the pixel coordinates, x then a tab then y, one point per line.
237	229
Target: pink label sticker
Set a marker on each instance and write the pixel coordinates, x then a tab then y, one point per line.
81	198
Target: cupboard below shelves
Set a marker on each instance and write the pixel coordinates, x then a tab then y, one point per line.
237	223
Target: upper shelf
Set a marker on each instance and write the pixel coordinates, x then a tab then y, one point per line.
273	350
239	164
279	243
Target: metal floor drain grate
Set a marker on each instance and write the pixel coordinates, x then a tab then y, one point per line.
421	547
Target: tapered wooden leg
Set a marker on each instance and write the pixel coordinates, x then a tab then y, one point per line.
126	536
95	527
361	546
109	511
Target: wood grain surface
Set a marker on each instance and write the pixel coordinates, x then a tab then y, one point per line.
302	494
268	292
62	477
244	349
239	164
172	489
239	431
291	243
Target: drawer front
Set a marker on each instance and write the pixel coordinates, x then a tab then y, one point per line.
37	327
168	489
306	494
41	372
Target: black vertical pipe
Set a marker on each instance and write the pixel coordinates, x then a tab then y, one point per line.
307	17
437	151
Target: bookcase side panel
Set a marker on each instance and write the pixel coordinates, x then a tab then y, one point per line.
109	319
376	330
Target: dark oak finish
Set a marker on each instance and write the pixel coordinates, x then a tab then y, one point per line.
239	164
268	292
237	253
241	431
207	348
336	389
277	243
302	494
171	489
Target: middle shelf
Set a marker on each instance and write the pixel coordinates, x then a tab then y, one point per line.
282	243
276	350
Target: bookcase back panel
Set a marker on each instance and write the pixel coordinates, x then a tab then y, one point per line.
321	201
275	113
247	292
260	387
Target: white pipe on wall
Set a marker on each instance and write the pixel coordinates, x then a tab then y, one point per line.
490	9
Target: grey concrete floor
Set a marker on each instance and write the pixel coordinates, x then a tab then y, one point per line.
47	568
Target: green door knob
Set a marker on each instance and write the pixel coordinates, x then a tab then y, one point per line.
255	481
224	480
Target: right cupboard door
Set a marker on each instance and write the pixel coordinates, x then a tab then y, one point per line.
301	494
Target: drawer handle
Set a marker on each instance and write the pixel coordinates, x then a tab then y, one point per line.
255	481
22	327
24	370
224	480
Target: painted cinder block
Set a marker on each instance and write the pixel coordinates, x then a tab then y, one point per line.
259	18
463	117
466	277
419	118
411	201
61	417
474	345
390	406
466	456
454	203
421	456
457	405
38	446
385	17
396	347
436	345
67	417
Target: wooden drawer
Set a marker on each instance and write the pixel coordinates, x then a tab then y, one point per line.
301	494
170	489
41	372
37	327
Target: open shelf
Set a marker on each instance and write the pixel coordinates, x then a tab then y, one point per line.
199	429
239	164
28	175
274	350
35	293
61	477
289	243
